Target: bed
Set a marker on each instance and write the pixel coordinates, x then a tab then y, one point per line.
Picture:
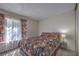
47	44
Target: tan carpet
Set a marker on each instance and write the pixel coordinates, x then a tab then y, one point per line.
60	53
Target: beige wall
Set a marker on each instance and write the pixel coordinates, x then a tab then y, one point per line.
32	28
61	23
78	28
77	32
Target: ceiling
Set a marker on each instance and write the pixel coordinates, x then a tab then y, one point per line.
38	11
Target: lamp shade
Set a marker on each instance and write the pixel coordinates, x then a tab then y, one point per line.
63	35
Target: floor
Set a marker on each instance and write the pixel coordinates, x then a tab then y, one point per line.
12	53
61	52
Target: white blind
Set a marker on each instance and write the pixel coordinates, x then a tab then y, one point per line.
12	30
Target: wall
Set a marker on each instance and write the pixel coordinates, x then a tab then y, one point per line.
32	28
78	28
61	23
77	31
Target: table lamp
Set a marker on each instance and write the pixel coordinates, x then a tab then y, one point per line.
63	36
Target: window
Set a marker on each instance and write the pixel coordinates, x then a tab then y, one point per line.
12	30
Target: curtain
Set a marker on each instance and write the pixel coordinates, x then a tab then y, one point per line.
24	29
1	27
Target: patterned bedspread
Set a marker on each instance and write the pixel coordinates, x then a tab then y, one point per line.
45	45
